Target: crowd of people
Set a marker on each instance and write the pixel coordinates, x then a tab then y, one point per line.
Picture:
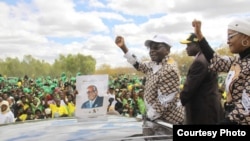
28	98
32	99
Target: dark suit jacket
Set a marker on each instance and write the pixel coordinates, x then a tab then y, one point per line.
98	103
200	94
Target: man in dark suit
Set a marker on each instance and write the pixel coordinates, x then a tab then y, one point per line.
93	99
200	95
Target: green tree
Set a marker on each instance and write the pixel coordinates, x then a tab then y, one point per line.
71	64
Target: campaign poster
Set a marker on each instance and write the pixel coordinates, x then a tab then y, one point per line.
92	99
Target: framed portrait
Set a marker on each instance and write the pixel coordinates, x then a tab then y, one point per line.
91	100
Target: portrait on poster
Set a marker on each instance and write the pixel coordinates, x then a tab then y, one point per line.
91	101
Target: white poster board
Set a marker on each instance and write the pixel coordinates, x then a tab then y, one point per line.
87	107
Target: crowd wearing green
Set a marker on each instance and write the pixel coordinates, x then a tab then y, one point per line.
46	98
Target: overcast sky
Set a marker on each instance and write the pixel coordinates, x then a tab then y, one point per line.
47	28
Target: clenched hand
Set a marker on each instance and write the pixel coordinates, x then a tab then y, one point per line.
119	41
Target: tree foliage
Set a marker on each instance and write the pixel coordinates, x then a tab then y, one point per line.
72	64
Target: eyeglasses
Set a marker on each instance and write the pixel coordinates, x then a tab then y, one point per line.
90	92
230	36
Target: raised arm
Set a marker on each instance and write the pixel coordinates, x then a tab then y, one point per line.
205	47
